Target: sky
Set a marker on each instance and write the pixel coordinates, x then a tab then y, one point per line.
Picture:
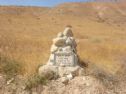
48	3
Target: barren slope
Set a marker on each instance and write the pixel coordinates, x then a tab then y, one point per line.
100	29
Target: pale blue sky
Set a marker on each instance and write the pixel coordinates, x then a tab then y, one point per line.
36	2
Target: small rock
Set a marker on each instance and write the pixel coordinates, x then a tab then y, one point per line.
68	70
70	76
10	81
64	80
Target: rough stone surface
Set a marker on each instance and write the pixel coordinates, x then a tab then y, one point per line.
74	42
67	49
63	71
63	59
50	72
61	49
59	42
79	85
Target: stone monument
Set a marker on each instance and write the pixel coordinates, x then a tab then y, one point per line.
63	59
63	50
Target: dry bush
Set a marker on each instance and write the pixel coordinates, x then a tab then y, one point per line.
34	81
107	79
9	67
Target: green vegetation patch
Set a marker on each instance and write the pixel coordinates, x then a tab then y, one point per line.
34	81
9	67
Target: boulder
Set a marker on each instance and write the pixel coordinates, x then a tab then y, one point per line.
59	42
68	32
49	72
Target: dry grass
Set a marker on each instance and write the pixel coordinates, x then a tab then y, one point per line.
34	81
27	37
9	67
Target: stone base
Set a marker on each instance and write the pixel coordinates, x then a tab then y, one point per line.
55	71
63	71
50	72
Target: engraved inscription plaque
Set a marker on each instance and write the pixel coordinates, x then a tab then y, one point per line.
65	59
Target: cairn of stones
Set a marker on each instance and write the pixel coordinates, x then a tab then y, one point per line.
63	50
63	60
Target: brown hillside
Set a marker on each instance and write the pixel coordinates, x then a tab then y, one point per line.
26	33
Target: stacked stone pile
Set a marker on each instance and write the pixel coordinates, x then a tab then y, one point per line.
63	43
63	60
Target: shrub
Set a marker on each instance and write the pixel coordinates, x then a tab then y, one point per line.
34	81
109	80
9	67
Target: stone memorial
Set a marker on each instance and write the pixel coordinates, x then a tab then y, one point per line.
63	50
63	59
